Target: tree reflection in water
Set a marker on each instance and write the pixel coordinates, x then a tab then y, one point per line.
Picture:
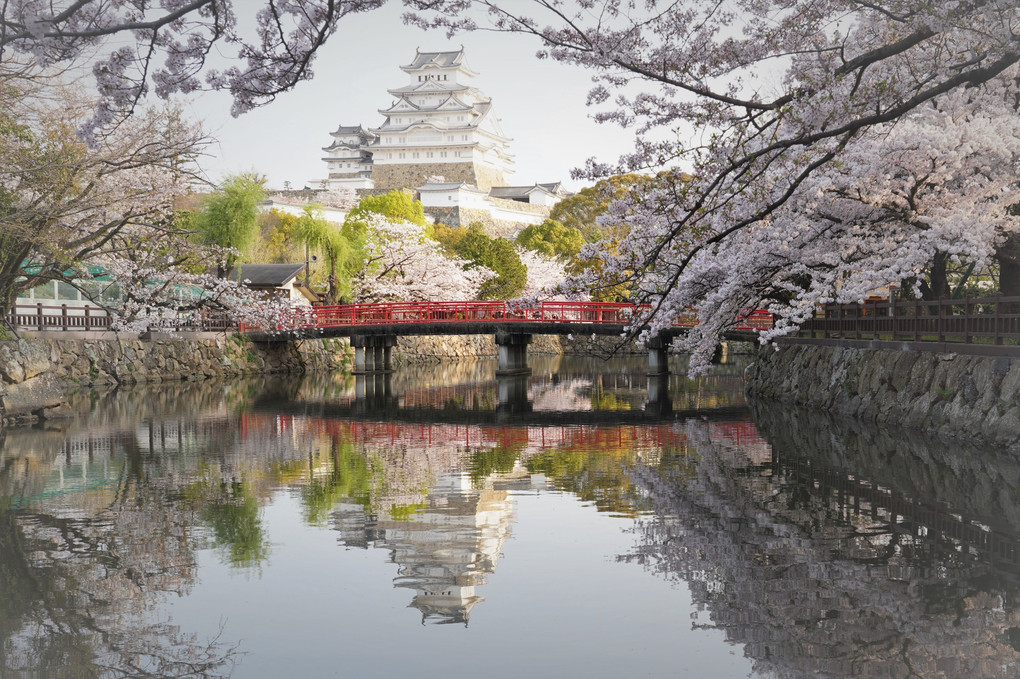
820	551
818	565
80	574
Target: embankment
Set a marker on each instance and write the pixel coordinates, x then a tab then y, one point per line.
953	394
37	372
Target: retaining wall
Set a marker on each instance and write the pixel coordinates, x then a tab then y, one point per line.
971	396
36	373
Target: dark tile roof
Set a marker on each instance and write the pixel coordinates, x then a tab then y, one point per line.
265	275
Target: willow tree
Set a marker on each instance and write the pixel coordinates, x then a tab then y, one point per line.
229	218
326	238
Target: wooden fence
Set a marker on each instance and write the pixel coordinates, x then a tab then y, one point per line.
64	317
990	320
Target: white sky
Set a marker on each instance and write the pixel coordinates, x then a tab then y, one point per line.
541	104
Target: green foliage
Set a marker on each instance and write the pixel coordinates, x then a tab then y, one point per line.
606	288
351	478
229	217
237	526
330	241
582	210
278	242
498	254
552	239
395	206
497	460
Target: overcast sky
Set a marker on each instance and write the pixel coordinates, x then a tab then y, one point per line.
540	103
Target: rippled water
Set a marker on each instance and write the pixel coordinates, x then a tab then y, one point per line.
441	523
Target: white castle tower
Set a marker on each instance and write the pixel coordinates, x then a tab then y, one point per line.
439	124
348	158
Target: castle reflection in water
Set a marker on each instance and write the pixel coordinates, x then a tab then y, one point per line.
818	547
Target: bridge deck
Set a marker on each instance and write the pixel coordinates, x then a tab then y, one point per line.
479	318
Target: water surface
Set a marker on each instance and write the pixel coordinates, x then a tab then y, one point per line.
442	522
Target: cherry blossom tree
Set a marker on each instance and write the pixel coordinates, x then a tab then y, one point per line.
545	274
779	112
402	263
138	47
68	210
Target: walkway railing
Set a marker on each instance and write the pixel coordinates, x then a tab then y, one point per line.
990	320
64	318
602	313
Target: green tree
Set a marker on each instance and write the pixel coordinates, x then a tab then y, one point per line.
229	217
552	239
236	522
328	239
471	243
395	206
582	210
278	242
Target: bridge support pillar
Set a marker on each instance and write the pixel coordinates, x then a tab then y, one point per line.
659	401
373	353
512	348
512	393
720	353
658	356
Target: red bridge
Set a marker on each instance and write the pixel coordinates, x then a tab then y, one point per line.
373	328
557	314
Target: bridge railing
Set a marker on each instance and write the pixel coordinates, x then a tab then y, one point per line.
469	312
611	313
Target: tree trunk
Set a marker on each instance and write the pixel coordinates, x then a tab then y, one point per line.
1008	256
937	285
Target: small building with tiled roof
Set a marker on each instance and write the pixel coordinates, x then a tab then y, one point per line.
276	280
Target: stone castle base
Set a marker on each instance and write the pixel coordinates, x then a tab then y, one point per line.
401	175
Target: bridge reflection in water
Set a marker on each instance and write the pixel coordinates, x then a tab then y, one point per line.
820	547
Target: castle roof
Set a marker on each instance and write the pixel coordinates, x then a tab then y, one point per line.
405	105
429	86
522	192
452	59
349	130
449	186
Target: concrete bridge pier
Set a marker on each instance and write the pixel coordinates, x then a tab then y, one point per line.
512	348
512	395
659	401
658	356
372	392
373	353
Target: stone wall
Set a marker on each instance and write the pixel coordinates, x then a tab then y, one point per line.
493	227
976	397
404	175
36	373
432	349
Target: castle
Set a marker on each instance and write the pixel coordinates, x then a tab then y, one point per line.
442	139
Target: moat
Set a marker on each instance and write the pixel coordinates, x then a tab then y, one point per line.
439	522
